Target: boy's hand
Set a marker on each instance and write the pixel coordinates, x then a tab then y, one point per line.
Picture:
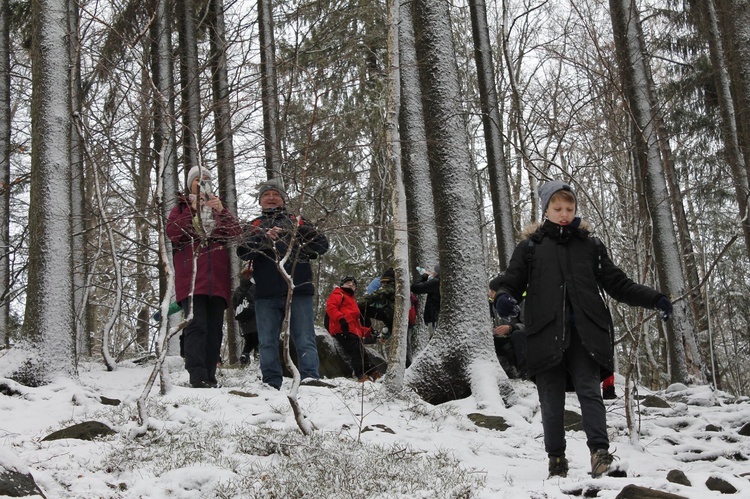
506	306
664	306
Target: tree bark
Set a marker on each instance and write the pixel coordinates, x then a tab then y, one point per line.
5	115
142	194
189	84
397	356
165	137
734	156
460	355
224	150
269	90
415	165
49	316
493	134
683	353
734	17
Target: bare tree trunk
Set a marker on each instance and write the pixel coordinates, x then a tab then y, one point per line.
4	174
734	156
269	90
189	84
49	318
415	164
516	112
78	208
397	357
224	150
142	193
734	17
165	142
683	351
461	351
493	134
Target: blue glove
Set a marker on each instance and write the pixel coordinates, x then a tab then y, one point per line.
664	306
506	306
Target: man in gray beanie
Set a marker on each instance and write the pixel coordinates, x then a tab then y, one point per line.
272	185
268	239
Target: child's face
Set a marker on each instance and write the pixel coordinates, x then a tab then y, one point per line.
561	211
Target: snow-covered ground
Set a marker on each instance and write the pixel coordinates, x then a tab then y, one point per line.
241	440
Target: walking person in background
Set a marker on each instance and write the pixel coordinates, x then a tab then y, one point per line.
428	283
243	300
201	226
509	337
345	326
266	242
561	268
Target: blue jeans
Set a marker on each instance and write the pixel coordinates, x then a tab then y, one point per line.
269	315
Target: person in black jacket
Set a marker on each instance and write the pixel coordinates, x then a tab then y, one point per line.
429	283
243	300
267	241
562	268
509	337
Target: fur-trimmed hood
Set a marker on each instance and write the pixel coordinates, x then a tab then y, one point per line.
533	227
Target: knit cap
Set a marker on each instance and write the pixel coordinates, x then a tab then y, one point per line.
548	189
272	185
193	174
348	278
389	274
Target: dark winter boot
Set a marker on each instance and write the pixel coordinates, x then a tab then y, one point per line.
601	460
558	466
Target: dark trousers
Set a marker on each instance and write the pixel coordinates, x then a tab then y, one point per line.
202	337
250	334
355	350
551	383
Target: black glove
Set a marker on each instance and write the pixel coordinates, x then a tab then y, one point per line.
506	306
344	325
305	230
664	306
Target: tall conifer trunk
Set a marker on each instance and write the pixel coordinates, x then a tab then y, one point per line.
684	359
461	352
49	317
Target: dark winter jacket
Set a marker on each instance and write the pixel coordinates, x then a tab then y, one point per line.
213	273
342	305
308	243
561	272
243	301
430	287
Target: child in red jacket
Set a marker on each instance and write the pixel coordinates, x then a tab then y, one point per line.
345	326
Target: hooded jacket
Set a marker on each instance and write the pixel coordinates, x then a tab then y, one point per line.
342	305
562	268
213	277
307	243
430	287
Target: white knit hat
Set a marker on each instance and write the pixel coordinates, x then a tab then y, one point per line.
193	174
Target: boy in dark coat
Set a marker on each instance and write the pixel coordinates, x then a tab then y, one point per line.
562	268
200	224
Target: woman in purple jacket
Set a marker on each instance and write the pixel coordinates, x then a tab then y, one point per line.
201	225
